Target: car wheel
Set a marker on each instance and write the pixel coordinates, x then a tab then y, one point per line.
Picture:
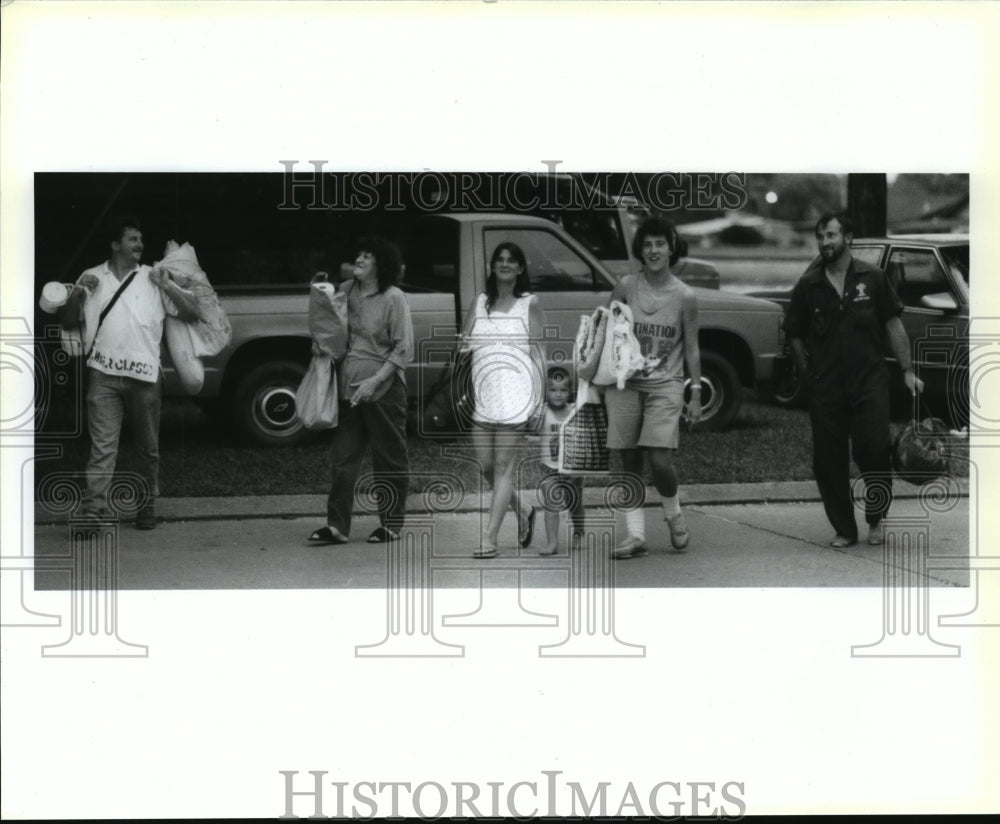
264	404
721	392
789	391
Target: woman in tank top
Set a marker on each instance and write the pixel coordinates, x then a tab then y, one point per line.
644	417
503	330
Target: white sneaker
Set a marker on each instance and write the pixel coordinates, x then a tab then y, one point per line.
631	547
876	534
678	531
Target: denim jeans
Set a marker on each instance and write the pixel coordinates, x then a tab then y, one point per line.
380	426
109	397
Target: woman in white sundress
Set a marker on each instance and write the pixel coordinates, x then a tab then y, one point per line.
503	330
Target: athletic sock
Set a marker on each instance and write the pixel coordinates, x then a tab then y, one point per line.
635	523
671	505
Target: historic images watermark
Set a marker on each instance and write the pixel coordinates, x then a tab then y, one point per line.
548	191
909	560
51	386
587	574
311	794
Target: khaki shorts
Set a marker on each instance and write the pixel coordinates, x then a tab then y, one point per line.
644	418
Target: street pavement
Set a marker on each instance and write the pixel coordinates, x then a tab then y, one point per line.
742	535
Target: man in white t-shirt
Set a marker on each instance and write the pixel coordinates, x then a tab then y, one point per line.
123	360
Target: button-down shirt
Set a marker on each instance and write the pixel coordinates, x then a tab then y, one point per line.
128	343
845	336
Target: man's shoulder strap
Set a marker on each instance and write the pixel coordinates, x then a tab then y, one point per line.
111	303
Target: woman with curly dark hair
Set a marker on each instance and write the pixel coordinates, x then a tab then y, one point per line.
503	330
372	388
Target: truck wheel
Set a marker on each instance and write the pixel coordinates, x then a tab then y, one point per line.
721	392
264	404
788	389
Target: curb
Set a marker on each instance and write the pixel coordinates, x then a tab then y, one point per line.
298	506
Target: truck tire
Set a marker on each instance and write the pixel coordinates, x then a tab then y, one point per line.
788	389
721	392
264	404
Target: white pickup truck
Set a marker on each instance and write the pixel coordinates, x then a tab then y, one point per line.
252	382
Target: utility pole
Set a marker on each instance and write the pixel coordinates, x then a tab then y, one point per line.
867	204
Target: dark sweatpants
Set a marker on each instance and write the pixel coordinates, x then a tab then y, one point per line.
862	417
380	426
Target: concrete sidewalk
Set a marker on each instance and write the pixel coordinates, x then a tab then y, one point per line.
288	506
775	544
756	535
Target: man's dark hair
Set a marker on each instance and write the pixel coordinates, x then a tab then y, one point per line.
388	259
656	226
118	225
846	224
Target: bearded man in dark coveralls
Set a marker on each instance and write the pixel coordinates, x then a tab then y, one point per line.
842	313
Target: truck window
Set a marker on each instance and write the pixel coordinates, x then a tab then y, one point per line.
430	254
598	230
915	273
552	265
871	255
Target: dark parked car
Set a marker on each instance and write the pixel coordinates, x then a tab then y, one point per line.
931	276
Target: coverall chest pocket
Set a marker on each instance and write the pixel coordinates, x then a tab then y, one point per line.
823	318
862	313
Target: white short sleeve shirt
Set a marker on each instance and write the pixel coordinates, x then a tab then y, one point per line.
128	343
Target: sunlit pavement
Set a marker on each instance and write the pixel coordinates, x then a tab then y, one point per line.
764	535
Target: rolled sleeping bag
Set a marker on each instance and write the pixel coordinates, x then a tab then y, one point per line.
54	296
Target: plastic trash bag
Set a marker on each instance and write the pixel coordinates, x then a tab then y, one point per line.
189	341
211	333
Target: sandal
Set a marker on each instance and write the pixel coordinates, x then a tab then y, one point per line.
528	531
485	551
327	535
383	535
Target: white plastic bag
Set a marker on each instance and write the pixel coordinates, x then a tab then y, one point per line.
626	352
590	343
316	397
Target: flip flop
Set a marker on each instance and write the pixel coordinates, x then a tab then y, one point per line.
382	535
841	541
327	535
526	534
485	551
